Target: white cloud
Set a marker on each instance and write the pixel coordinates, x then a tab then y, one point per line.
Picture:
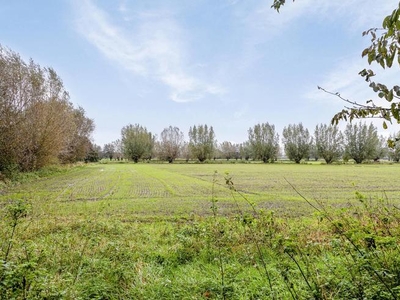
344	79
154	48
352	13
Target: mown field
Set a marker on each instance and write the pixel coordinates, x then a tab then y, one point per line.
178	231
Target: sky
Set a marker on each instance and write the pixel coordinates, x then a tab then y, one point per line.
229	64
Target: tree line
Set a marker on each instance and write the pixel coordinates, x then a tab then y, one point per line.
359	142
39	125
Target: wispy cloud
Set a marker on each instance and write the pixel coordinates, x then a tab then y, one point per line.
344	79
154	48
352	13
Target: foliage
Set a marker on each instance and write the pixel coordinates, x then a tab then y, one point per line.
264	142
245	150
361	142
384	51
382	149
229	150
137	142
202	142
109	150
394	152
297	142
79	145
277	4
314	151
78	236
93	153
171	142
328	142
38	125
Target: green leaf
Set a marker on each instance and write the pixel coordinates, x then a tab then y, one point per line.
386	22
384	125
389	96
381	95
389	61
371	57
395	111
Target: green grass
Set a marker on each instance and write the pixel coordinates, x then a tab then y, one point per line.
151	190
147	231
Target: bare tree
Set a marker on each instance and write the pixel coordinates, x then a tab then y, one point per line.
170	144
228	150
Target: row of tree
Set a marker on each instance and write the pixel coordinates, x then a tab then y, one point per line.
38	125
359	142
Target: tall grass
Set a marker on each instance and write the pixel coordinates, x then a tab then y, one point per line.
101	252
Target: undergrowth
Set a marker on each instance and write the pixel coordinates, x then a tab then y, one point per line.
347	253
15	177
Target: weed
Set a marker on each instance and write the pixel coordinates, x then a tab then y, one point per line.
146	231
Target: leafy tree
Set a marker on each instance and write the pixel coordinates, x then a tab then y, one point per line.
137	142
245	150
170	145
314	151
79	145
328	142
46	131
361	142
93	154
202	142
384	50
109	150
394	152
264	142
228	150
237	151
382	150
297	142
38	123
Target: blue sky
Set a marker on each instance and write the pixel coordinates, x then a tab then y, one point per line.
230	63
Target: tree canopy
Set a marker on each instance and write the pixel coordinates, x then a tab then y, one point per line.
137	142
264	142
297	142
202	142
328	142
361	142
38	124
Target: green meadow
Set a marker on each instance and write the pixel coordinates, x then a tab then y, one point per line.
203	231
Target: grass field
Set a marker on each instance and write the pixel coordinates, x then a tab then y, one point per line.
164	190
176	231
